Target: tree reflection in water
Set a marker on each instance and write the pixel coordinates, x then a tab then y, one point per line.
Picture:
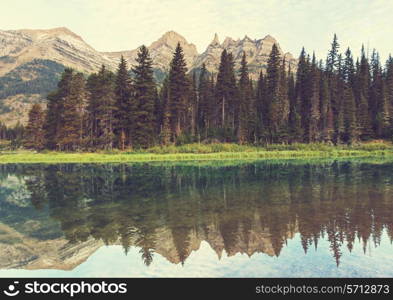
240	209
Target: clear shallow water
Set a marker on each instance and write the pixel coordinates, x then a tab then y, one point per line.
326	219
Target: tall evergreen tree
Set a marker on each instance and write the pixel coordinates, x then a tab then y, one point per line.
283	104
333	68
192	108
178	91
101	108
55	109
143	121
34	133
313	110
164	125
362	93
326	113
389	90
294	119
349	114
273	75
123	113
338	103
226	91
378	99
252	115
332	60
245	98
92	109
303	93
70	134
261	109
205	103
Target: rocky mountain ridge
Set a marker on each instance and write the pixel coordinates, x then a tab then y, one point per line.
65	47
257	52
61	45
28	57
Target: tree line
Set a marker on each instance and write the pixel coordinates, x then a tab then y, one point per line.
336	101
13	134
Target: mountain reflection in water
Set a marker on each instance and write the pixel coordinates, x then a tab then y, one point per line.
169	210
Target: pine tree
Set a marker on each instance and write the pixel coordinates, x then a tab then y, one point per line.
34	133
326	120
226	93
378	99
273	93
252	115
165	135
303	93
294	119
349	117
332	60
375	86
178	88
143	120
383	116
157	113
205	103
283	104
55	109
213	104
233	100
389	90
123	111
362	94
349	114
70	134
313	110
261	109
192	109
333	67
52	117
93	102
164	118
338	103
101	109
245	96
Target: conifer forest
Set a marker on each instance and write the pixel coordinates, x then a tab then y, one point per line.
341	99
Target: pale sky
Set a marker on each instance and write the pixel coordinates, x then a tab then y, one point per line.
113	25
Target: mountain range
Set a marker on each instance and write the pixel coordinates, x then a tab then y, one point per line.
31	62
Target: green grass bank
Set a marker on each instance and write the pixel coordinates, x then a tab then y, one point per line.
202	152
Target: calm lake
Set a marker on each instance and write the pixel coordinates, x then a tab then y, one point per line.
265	219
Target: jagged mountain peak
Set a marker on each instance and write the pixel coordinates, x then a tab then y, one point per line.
247	39
170	38
269	38
171	34
162	50
228	40
216	40
257	52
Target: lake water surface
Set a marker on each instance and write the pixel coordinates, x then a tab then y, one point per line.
265	219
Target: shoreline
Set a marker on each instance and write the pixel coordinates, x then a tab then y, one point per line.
61	157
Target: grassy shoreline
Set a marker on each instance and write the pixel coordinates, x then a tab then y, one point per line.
200	152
